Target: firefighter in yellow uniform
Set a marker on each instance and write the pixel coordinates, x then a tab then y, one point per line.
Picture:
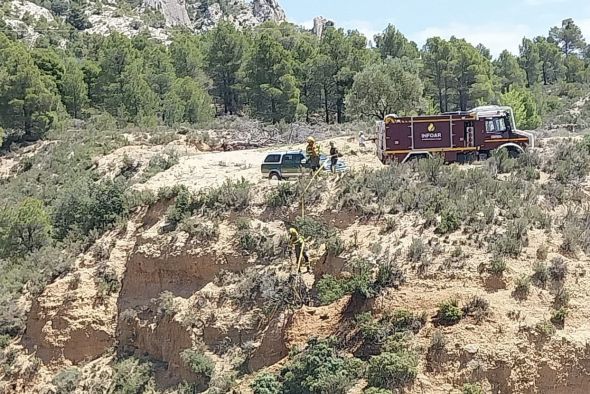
313	154
297	244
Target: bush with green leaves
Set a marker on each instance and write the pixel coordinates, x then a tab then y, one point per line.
131	376
471	388
230	196
449	312
331	289
545	328
199	229
4	341
160	163
266	383
319	368
449	222
558	269
558	316
416	250
570	162
88	206
375	390
34	271
392	370
540	274
477	307
66	381
24	229
198	362
522	286
259	240
497	266
283	195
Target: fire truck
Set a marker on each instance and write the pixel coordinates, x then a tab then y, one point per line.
459	136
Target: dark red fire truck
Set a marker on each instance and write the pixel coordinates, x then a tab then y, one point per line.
459	136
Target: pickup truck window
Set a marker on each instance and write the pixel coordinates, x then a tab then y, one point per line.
273	159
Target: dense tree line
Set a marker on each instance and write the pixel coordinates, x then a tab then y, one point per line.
274	73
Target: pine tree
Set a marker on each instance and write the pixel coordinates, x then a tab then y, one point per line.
530	61
508	71
437	58
552	68
393	44
224	57
269	79
569	37
74	91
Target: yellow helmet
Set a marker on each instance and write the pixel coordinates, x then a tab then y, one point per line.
292	231
310	140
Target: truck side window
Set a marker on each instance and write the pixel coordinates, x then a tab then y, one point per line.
490	126
273	159
288	159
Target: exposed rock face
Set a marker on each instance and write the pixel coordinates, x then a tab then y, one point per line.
320	24
202	15
197	15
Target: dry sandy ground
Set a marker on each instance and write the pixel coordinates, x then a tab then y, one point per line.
203	170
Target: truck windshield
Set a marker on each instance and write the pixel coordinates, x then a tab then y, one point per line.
496	125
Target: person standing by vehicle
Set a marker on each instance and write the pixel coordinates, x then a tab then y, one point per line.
362	139
313	154
334	154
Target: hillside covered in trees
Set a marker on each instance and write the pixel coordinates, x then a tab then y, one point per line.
276	73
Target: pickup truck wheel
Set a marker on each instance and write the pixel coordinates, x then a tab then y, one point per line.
273	176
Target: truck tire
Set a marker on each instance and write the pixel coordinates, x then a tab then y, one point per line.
274	176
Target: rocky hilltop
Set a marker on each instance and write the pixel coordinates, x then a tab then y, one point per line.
34	18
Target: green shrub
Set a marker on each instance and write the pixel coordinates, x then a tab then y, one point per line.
88	206
404	320
230	196
545	328
558	269
202	231
416	250
389	275
331	289
558	316
24	229
375	390
282	196
319	369
4	341
522	286
66	381
542	252
392	370
470	388
540	274
107	280
266	383
501	161
198	362
431	168
477	307
182	207
497	267
562	298
335	245
449	222
160	163
449	312
131	376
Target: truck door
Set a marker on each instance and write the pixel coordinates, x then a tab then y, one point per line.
469	137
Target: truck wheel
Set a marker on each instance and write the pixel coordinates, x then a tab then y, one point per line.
273	176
